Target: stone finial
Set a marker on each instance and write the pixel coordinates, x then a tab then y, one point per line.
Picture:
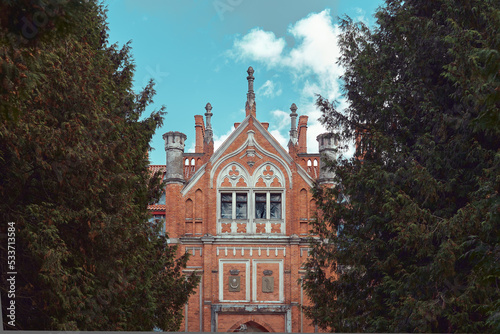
208	115
250	72
293	129
250	105
250	79
208	130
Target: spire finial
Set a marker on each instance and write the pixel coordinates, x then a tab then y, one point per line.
208	129
208	108
250	72
250	105
293	130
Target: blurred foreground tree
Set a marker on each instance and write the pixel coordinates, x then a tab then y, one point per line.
75	181
409	236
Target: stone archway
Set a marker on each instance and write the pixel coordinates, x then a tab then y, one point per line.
249	326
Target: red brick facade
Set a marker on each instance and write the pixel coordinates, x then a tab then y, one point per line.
242	212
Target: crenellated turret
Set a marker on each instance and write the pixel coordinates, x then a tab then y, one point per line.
174	148
327	144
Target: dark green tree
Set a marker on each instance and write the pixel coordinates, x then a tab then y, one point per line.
408	238
75	181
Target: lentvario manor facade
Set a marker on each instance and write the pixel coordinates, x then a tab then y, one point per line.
243	213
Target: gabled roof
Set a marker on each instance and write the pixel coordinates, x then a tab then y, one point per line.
239	130
221	154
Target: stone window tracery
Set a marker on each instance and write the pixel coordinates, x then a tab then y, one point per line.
250	204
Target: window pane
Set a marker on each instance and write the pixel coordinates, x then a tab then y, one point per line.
226	210
276	198
226	205
241	206
260	206
275	210
260	210
226	197
241	210
260	198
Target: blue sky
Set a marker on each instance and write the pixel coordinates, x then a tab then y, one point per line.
198	51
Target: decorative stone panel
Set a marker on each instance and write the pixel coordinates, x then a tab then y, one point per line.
233	175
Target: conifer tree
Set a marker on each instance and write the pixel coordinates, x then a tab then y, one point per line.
75	180
408	238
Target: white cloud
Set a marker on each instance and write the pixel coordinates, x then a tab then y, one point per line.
259	45
219	140
316	53
268	89
279	137
281	120
192	147
311	62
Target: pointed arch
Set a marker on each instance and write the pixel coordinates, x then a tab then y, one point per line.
268	175
312	207
198	204
233	175
284	159
189	209
250	326
303	204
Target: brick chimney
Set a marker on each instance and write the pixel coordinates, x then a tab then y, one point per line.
200	133
303	134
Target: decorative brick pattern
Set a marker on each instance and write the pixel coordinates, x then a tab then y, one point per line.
260	228
242	228
275	228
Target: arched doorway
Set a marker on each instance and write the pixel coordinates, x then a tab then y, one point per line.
250	326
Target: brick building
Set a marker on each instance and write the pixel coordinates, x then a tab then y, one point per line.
243	213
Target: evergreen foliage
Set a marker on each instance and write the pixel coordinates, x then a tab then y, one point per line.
408	239
75	179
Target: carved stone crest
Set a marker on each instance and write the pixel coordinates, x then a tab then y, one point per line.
268	272
234	283
234	271
267	284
